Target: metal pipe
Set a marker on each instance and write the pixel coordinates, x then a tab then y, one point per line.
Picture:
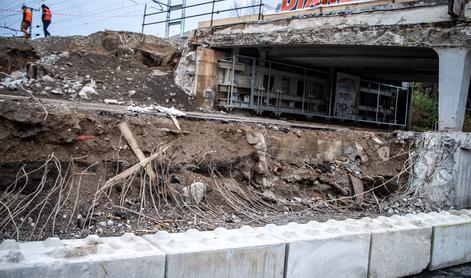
395	109
331	93
268	85
407	108
377	103
252	84
144	18
212	13
233	73
260	10
189	6
304	88
198	15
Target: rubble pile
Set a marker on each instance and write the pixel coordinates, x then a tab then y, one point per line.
106	67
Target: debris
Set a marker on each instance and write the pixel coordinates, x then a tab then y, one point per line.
126	132
57	92
194	193
383	153
128	172
47	78
111	101
86	90
86	137
157	108
17	75
358	189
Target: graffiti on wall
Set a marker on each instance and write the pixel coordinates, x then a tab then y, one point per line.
346	90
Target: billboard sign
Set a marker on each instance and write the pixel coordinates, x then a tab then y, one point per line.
295	5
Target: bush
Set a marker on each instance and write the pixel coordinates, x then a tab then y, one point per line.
424	110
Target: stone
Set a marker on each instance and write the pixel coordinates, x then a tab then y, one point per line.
57	91
47	78
17	75
384	153
86	91
110	101
132	92
194	193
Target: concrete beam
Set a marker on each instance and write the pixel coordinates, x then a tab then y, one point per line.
454	75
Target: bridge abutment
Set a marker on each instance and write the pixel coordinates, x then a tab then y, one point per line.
454	77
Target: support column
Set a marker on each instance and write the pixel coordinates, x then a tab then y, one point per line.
454	75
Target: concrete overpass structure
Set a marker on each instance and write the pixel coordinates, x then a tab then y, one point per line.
384	45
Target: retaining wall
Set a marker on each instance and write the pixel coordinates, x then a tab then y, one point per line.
381	247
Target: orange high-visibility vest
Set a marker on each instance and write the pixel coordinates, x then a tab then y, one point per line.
28	15
47	14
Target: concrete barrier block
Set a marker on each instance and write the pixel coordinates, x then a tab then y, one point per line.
399	247
243	252
451	242
328	249
125	256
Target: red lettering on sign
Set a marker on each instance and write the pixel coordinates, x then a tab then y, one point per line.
287	5
312	3
300	4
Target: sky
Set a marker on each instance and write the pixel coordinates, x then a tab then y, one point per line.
83	17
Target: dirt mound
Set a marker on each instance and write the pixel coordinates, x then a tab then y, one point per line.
114	67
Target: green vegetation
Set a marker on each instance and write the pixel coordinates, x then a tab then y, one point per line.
425	111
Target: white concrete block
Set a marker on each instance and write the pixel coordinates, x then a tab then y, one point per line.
399	247
243	252
451	242
328	249
125	256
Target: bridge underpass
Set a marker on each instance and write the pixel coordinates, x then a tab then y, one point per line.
405	42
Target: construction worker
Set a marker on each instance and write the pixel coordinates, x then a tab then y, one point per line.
26	22
47	16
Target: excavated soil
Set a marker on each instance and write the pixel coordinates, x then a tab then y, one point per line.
51	174
128	68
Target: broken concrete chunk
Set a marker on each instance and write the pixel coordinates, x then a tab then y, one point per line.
251	138
355	151
17	75
383	153
194	193
86	90
358	189
111	101
47	78
57	91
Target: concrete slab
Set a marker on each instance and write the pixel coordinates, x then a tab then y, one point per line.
328	249
451	242
243	252
399	247
125	256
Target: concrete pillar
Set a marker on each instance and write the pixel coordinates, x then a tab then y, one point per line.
454	75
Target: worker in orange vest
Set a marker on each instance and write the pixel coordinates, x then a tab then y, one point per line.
26	22
47	16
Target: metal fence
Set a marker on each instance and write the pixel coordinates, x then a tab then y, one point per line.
170	6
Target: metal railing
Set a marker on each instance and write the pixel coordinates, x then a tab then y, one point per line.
169	8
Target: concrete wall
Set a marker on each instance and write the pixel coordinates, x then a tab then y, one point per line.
442	168
426	24
382	247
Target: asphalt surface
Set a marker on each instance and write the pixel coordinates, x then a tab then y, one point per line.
463	270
